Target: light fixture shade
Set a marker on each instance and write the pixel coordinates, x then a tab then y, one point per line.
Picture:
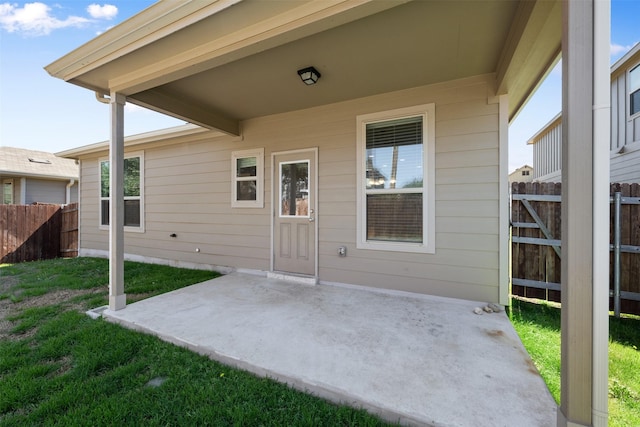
309	75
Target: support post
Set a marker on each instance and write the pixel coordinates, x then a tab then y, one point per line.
117	297
601	209
617	202
585	202
505	208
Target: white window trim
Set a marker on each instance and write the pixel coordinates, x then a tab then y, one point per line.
629	92
5	182
127	228
258	153
427	111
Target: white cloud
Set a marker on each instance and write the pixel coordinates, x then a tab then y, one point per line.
34	19
37	19
619	50
106	11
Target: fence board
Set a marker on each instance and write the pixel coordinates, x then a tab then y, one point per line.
33	232
539	263
69	231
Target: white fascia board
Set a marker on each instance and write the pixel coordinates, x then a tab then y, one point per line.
155	22
19	174
143	138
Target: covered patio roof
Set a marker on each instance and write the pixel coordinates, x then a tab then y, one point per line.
218	63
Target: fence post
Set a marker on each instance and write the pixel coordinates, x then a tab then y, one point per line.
616	253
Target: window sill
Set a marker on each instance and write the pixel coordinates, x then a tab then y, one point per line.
397	247
126	229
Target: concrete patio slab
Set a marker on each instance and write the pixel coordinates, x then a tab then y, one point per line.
409	358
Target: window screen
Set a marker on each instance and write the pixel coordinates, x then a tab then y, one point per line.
394	180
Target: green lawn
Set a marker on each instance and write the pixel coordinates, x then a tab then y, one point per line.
59	367
539	328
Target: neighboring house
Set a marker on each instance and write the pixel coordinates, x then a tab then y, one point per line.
522	174
280	181
29	176
625	129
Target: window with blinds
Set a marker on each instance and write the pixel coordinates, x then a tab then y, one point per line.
394	180
393	173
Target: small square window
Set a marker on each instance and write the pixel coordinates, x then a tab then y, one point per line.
247	177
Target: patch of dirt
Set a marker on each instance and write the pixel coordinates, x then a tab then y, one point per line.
62	296
65	365
7	283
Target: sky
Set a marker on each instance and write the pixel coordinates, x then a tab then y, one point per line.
43	113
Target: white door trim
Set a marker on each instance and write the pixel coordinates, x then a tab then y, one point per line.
275	192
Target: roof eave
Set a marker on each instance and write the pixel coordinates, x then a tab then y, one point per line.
545	129
531	50
621	64
39	175
158	136
146	27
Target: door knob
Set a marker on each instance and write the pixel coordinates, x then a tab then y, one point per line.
311	219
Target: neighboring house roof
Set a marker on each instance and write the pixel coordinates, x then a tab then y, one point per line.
543	131
519	174
40	164
630	58
523	167
621	64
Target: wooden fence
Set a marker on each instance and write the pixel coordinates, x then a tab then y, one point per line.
69	231
34	232
536	251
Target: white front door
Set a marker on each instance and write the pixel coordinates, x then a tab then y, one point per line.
295	206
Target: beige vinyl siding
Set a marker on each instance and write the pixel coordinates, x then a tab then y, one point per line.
466	175
187	192
90	236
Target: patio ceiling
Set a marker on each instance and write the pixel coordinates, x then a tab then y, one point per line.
216	64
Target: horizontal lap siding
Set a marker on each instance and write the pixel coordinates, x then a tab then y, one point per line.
466	260
624	167
625	134
90	237
187	192
198	175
